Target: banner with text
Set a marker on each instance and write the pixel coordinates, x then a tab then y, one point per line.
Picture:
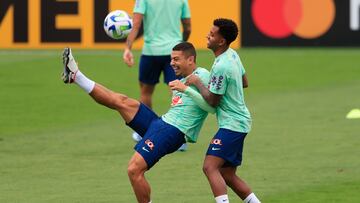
79	23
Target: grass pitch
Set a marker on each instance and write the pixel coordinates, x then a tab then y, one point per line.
57	145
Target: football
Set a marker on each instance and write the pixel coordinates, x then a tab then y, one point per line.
118	24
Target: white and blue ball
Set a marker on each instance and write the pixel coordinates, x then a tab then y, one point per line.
118	24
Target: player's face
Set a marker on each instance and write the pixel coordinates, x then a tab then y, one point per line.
214	39
180	63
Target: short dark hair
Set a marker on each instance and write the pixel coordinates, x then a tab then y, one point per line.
227	29
187	48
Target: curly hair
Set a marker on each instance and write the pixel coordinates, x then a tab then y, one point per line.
227	29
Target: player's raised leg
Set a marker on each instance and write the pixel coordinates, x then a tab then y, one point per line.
127	107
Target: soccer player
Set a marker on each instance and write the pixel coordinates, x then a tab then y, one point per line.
161	21
225	92
161	135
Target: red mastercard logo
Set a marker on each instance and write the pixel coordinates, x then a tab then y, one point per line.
306	19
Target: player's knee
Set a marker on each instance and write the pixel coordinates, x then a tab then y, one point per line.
120	100
133	170
208	168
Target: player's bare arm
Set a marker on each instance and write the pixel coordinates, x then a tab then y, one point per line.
245	81
186	23
128	56
211	98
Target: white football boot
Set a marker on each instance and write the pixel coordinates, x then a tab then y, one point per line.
70	66
183	147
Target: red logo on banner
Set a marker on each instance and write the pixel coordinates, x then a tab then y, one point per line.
306	19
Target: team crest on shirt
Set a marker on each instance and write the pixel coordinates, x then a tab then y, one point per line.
176	100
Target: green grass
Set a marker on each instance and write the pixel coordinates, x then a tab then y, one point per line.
57	145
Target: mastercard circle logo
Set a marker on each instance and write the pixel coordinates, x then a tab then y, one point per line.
306	19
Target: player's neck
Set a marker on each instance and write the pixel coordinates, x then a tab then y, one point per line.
191	70
220	50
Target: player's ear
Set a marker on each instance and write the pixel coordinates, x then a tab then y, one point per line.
191	59
222	42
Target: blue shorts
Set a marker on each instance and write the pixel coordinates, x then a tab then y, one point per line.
142	120
160	139
151	67
228	145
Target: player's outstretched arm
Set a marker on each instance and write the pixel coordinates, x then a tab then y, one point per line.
128	56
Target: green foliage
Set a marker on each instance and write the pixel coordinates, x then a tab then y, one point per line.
57	145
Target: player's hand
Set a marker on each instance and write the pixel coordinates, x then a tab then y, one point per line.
192	80
128	57
177	85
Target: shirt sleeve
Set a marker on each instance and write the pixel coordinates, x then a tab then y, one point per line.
140	7
199	100
243	71
218	80
203	74
185	10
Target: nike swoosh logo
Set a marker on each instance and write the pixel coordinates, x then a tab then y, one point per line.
215	149
143	148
